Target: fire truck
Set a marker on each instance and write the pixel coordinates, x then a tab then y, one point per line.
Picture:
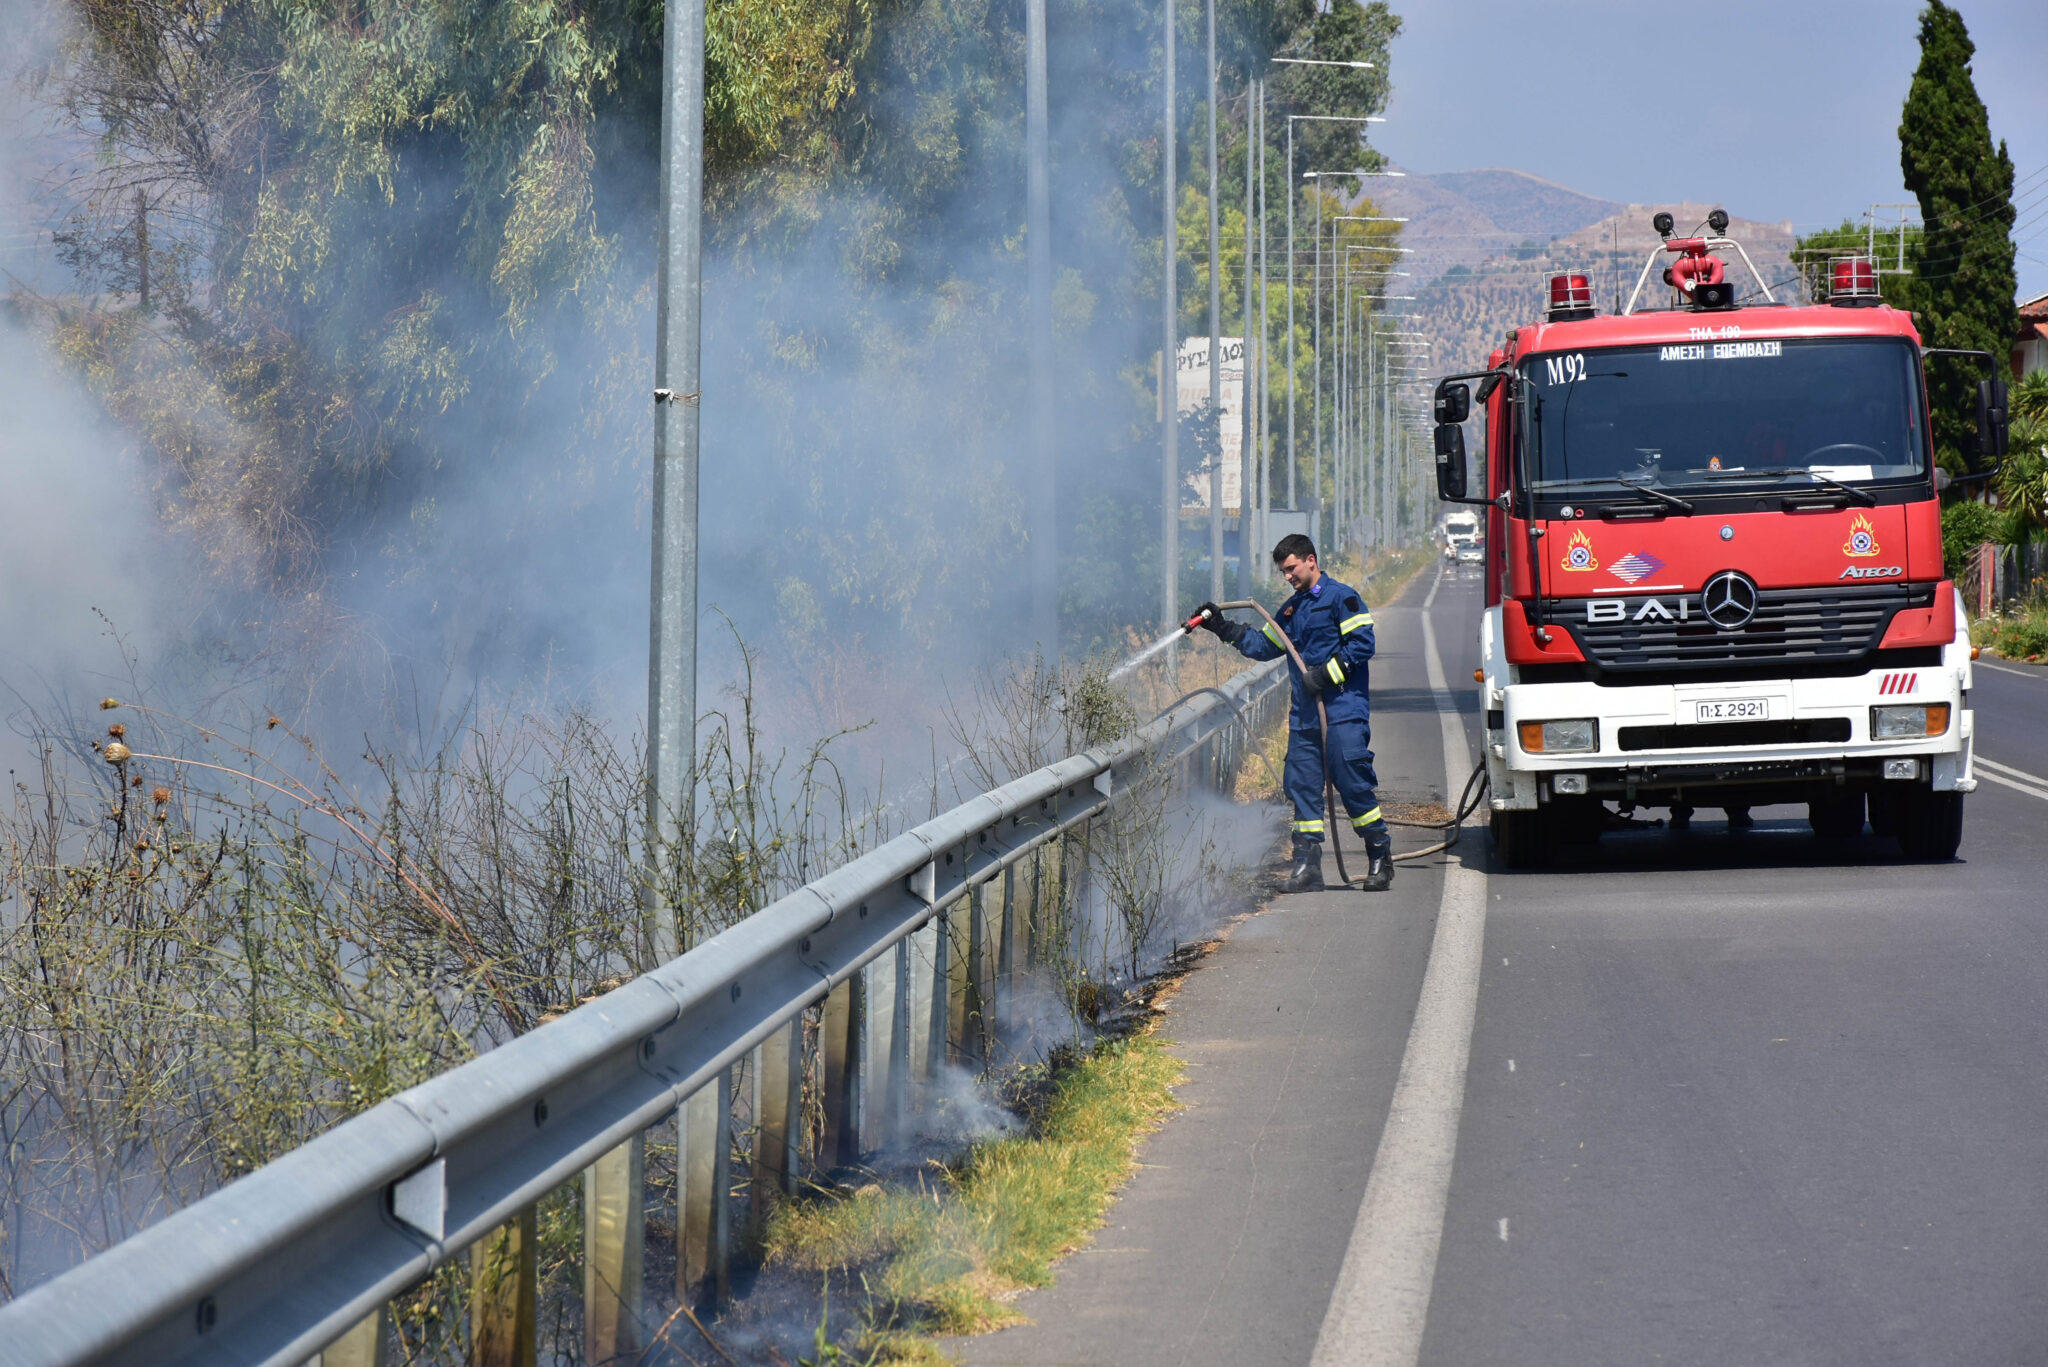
1713	557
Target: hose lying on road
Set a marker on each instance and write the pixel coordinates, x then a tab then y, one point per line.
1475	786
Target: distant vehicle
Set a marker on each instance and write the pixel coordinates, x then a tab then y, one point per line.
1455	530
1471	553
1714	570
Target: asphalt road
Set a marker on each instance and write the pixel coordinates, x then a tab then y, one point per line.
1730	1097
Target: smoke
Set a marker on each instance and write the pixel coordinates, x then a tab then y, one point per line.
83	564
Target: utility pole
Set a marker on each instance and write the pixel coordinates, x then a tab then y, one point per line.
1215	338
1904	210
615	1221
1044	482
1169	362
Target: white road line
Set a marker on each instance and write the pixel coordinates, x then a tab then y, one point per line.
2041	793
1381	1301
2036	674
1995	767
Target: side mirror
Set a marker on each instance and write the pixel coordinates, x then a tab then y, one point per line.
1450	459
1994	420
1453	404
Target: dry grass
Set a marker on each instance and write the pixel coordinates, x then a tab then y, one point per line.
947	1256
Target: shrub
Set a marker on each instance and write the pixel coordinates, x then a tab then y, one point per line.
1964	527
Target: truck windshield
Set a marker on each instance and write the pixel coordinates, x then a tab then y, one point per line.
1699	416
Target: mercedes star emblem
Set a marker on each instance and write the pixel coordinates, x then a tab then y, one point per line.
1729	600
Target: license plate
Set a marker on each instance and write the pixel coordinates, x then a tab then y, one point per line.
1732	709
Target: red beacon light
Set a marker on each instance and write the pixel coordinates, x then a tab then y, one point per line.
1571	298
1852	282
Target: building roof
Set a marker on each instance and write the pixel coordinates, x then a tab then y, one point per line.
2034	311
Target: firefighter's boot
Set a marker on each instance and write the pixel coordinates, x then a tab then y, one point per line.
1307	873
1379	870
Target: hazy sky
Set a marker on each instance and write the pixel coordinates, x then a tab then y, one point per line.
1786	109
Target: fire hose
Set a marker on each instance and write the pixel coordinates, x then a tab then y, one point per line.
1468	799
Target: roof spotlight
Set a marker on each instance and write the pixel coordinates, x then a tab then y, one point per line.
1718	221
1663	224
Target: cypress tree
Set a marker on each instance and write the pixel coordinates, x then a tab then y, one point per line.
1964	186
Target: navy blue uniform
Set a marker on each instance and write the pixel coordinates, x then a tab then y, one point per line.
1331	629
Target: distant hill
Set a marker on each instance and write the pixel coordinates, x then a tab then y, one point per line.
1464	217
1487	242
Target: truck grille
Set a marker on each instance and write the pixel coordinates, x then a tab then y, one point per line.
1824	625
1714	735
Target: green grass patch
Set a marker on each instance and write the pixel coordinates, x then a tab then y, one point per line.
946	1256
2020	636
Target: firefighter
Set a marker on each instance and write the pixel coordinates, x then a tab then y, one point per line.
1331	629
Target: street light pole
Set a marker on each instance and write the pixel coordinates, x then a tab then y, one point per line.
1169	360
1292	504
1315	347
1215	340
1292	193
1247	436
1315	297
615	1198
1265	455
1038	270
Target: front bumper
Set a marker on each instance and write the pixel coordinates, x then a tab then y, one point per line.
1651	747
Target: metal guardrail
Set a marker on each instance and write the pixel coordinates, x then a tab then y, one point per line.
282	1262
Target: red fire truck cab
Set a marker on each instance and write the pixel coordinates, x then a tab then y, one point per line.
1714	568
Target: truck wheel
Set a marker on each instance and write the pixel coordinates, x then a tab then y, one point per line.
1518	839
1884	813
1576	821
1931	825
1837	817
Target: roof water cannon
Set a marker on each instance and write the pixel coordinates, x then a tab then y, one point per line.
1694	269
1700	277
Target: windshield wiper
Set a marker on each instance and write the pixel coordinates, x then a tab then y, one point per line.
1641	486
1636	485
1849	491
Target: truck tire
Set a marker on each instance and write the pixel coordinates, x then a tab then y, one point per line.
1575	821
1931	825
1836	817
1518	839
1884	813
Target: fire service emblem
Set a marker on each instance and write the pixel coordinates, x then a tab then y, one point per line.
1578	553
1862	541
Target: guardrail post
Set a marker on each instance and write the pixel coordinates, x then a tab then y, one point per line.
975	984
362	1346
1006	955
777	1115
839	1053
901	1014
1034	920
614	1251
721	1191
924	952
939	1032
704	1179
502	1320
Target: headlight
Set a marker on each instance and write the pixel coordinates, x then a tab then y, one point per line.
1579	736
1909	723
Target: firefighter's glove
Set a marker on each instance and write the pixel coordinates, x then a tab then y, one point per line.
1213	620
1327	675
